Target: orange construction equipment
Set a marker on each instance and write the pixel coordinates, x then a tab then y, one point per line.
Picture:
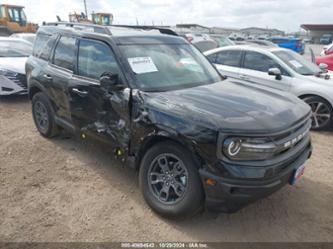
13	20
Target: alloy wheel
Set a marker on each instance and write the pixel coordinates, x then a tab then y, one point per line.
167	178
321	114
41	116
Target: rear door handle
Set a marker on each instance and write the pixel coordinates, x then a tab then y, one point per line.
47	76
81	93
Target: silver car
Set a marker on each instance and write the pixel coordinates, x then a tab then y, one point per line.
280	69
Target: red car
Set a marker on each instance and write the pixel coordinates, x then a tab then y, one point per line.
327	50
327	60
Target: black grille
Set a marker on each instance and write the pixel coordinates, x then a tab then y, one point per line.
292	138
17	78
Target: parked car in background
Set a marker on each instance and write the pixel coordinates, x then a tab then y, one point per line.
281	69
29	37
326	39
13	56
263	43
328	60
295	44
205	45
203	42
195	137
222	41
328	49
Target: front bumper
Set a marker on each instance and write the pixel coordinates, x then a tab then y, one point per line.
230	195
13	83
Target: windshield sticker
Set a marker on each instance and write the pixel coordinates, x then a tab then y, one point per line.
296	64
142	65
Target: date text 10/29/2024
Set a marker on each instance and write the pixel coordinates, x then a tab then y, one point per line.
164	245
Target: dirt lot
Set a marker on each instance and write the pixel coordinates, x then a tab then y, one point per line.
69	190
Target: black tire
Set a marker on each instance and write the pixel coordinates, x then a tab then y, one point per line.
43	113
322	117
191	200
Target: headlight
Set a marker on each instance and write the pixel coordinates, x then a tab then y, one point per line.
248	149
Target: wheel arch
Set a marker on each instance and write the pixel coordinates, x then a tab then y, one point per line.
164	136
33	90
306	95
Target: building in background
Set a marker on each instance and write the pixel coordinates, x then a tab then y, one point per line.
316	31
261	32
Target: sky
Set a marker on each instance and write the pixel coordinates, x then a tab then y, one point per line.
286	15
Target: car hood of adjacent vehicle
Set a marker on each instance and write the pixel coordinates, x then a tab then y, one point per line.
15	64
319	80
230	106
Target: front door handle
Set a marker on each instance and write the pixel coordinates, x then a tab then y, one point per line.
47	76
81	93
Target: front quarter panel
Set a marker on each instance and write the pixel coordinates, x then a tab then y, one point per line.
302	87
150	121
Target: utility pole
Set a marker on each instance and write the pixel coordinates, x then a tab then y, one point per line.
85	8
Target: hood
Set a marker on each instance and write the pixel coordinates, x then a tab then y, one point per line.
320	81
15	64
231	106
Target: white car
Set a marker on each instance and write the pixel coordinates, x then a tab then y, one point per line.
13	55
29	37
281	69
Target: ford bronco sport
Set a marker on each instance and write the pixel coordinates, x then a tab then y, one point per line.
196	137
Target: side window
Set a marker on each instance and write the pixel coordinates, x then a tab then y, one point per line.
40	42
212	58
64	53
96	58
259	62
229	58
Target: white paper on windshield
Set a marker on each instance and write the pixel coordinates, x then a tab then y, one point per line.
295	63
142	65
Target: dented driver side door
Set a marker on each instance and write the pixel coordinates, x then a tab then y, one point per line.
96	111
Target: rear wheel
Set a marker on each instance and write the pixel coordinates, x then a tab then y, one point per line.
44	116
322	112
170	181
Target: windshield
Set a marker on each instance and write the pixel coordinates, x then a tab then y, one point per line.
163	67
15	49
224	41
298	63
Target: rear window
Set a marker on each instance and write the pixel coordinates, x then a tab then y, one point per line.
64	53
279	41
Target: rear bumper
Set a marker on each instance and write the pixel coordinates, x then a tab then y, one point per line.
231	195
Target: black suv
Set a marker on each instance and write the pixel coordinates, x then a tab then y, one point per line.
194	136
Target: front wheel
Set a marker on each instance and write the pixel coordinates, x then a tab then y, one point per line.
170	182
322	112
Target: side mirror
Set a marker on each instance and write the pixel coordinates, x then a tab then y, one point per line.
275	72
110	81
323	67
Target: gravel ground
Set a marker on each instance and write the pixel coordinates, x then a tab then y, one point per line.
70	190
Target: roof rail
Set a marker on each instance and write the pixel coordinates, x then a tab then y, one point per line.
162	30
81	26
105	29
